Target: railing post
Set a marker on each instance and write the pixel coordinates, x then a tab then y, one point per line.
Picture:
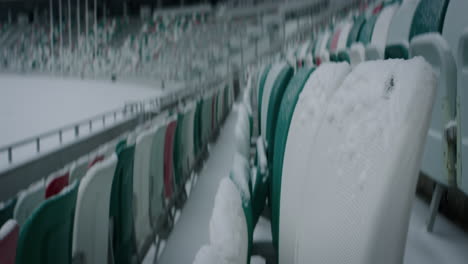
77	130
104	120
38	145
60	137
90	125
10	155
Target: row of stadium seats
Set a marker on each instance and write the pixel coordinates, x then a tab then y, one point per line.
118	199
434	30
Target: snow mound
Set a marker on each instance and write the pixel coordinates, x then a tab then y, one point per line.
209	255
228	227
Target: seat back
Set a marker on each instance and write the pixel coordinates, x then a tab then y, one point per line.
180	146
46	237
311	106
376	48
365	36
157	173
9	233
428	17
168	159
398	34
189	129
355	31
6	210
206	120
261	87
288	103
198	125
28	201
344	34
56	185
121	205
375	161
91	223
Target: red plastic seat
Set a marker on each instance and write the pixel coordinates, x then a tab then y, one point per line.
56	185
168	161
9	234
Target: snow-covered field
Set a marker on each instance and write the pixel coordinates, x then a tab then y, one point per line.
35	104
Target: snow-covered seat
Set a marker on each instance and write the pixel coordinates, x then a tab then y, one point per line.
375	50
426	41
91	223
263	74
357	52
397	45
343	38
56	184
323	47
46	237
353	37
121	204
6	210
366	154
141	180
311	105
209	254
28	201
9	232
183	145
243	131
157	173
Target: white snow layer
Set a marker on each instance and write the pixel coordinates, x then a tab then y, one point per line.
373	129
228	227
209	255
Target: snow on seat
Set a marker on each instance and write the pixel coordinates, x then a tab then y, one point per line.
343	38
46	237
121	204
305	119
288	103
277	80
243	131
260	89
321	51
141	180
91	223
6	210
427	42
9	232
230	224
27	202
157	173
456	33
169	180
376	48
366	155
397	46
357	51
208	254
56	184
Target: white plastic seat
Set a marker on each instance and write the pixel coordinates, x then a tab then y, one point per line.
362	165
141	180
91	224
375	50
311	106
28	201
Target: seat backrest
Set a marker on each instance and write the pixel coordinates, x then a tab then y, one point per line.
344	34
428	17
141	180
288	103
334	38
157	173
91	223
399	31
311	106
278	72
376	161
261	87
180	145
9	233
189	133
355	31
28	201
46	237
365	36
168	159
197	131
56	185
206	120
380	32
324	44
6	210
121	205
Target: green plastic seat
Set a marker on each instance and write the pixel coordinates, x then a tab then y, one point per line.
197	131
6	210
157	174
365	36
180	148
428	17
355	31
121	205
286	110
261	84
46	237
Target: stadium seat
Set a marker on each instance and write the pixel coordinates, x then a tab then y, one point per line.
189	129
355	31
78	169
91	223
357	50
375	50
375	184
321	84
27	202
157	173
141	180
243	131
169	180
56	185
46	237
9	232
6	210
261	87
344	35
198	126
398	34
121	205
